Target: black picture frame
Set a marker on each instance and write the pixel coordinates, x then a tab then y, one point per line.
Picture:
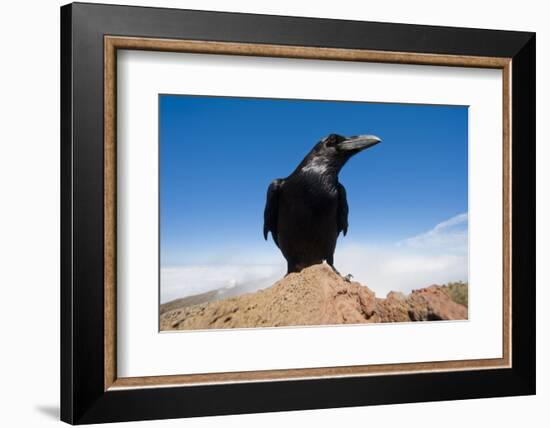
83	397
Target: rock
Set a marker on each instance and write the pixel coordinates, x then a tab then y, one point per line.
396	295
433	303
314	296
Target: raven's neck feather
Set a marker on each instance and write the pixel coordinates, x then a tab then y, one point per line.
326	181
320	165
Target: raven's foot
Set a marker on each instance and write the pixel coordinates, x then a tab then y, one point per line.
335	270
346	278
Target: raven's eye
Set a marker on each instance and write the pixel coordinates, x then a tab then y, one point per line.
331	140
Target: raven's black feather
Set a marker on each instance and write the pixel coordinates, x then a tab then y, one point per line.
306	211
272	209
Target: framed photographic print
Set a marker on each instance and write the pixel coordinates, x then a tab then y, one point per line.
265	213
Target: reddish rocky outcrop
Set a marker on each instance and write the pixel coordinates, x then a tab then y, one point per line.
315	296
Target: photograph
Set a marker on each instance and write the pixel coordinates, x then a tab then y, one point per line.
297	212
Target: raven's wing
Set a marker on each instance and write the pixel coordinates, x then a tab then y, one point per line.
342	210
271	211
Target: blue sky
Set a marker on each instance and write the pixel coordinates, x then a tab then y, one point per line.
218	155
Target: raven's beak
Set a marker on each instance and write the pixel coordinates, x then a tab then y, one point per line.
359	142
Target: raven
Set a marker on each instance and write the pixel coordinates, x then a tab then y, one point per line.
306	211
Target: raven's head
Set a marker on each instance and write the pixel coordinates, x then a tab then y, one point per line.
331	153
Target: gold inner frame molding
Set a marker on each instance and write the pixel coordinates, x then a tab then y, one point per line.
113	43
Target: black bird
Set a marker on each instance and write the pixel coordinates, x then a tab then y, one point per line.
306	211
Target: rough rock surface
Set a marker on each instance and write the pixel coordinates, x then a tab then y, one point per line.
315	296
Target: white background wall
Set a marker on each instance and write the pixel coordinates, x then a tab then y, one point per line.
29	213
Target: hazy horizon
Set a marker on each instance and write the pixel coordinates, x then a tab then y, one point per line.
437	256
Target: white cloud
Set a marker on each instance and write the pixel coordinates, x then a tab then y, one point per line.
437	256
449	235
183	281
393	268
